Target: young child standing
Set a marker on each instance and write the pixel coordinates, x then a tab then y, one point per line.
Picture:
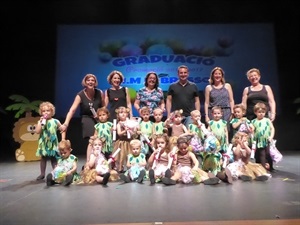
174	122
188	167
145	129
264	132
158	126
161	160
136	162
103	129
240	121
123	140
66	166
218	127
47	127
194	128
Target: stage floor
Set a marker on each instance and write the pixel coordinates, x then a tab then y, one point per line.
23	200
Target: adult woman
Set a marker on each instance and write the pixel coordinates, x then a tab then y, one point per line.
89	99
150	95
116	95
258	92
218	93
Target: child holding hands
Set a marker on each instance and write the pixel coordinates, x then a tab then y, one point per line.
47	127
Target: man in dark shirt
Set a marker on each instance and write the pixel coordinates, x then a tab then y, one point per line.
183	94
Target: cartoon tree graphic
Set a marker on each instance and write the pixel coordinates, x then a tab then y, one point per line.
23	105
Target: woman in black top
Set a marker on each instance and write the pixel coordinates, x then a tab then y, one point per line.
89	100
116	95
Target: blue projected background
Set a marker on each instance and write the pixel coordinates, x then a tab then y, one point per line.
137	49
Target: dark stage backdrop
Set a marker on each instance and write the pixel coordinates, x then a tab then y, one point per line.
30	50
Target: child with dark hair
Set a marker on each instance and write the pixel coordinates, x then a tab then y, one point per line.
103	129
188	170
264	132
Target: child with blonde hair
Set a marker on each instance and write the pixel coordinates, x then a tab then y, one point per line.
158	126
66	166
136	162
47	127
97	168
145	129
125	134
195	130
242	168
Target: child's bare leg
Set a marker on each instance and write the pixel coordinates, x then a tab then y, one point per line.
88	152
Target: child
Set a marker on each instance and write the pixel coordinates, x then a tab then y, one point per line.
136	162
240	121
160	160
218	127
103	129
48	141
174	122
188	167
242	167
158	126
264	132
145	129
194	128
66	166
98	161
212	161
124	137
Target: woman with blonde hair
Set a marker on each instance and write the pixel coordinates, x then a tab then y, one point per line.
88	100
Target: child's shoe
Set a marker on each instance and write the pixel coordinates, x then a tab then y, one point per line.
124	178
105	178
49	180
40	177
246	178
212	181
262	178
168	173
141	176
151	176
168	181
68	180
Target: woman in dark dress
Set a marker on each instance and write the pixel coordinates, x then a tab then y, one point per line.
116	95
89	100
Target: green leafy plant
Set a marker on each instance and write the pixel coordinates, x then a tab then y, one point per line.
23	105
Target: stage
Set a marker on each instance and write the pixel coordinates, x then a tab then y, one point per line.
27	201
